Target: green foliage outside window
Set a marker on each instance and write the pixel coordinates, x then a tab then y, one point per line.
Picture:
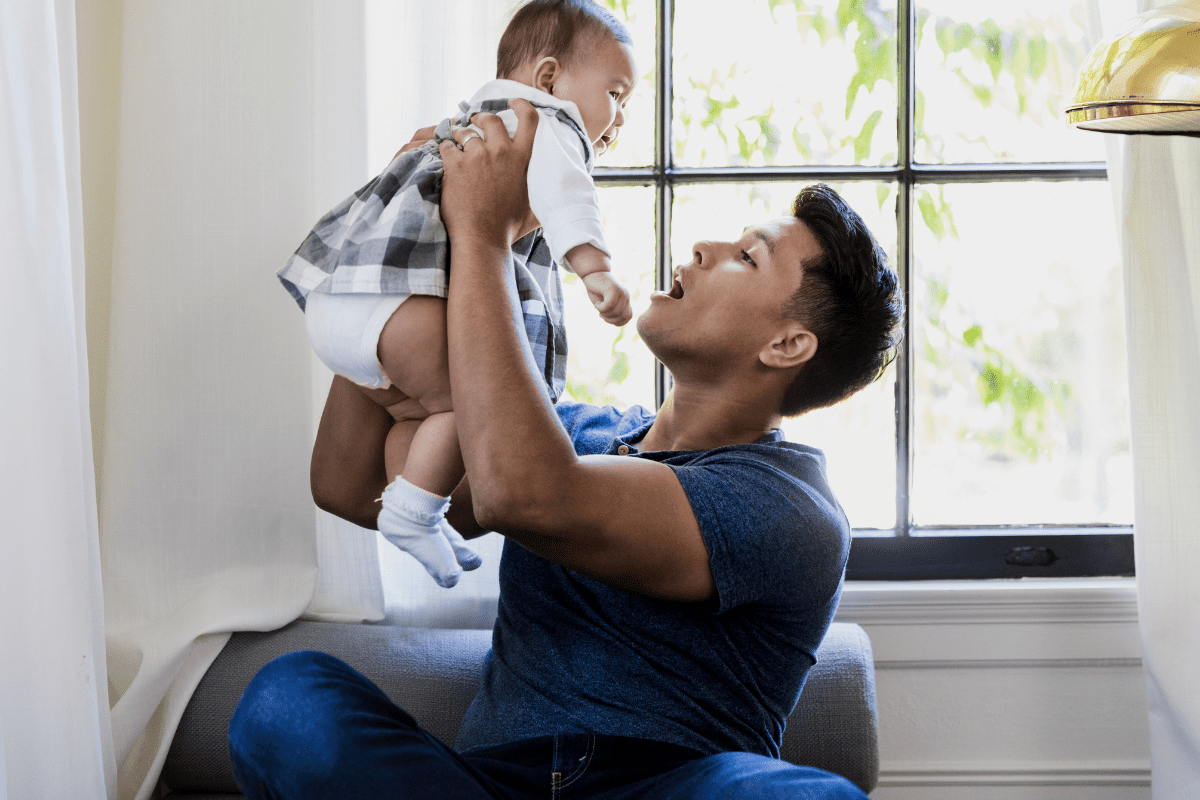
1018	68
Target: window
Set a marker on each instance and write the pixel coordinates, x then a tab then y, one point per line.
998	443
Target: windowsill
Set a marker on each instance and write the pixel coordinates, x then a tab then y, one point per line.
1061	622
966	601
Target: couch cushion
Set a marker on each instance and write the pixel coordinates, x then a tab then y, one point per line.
434	673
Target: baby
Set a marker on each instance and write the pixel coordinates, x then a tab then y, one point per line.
371	277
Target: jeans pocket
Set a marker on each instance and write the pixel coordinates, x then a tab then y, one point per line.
572	755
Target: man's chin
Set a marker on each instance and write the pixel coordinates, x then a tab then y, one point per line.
650	334
640	321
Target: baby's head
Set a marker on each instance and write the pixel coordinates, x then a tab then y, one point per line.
577	51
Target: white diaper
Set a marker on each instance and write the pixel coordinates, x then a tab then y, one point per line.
344	332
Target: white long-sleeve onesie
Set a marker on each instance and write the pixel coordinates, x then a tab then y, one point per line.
562	194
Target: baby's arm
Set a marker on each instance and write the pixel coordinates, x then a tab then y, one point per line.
607	295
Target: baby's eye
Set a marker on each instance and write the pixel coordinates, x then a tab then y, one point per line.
615	95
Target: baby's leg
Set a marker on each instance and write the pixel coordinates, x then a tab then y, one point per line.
426	464
413	352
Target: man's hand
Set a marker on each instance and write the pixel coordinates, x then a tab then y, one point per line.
484	193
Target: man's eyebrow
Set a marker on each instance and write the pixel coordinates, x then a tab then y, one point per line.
762	237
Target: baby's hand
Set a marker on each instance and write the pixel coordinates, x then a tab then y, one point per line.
609	297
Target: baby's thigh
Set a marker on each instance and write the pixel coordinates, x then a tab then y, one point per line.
413	352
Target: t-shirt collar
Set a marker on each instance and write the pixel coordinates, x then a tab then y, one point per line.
632	440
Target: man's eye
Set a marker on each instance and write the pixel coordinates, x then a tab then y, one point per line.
746	257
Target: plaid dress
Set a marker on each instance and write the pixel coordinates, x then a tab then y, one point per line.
388	238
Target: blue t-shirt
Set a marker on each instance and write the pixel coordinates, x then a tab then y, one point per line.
573	655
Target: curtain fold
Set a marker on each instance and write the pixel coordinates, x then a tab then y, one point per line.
55	738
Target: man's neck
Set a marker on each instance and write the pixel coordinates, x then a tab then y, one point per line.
702	419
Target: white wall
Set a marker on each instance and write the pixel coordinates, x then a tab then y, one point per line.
1007	690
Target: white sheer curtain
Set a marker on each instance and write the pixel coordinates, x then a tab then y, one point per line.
1156	191
54	723
228	111
1156	185
240	123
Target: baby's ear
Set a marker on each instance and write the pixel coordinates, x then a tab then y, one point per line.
546	73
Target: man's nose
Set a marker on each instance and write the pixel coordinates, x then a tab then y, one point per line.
704	254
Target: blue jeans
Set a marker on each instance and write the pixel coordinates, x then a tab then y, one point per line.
309	726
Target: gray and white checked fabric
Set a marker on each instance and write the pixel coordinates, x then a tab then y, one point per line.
388	238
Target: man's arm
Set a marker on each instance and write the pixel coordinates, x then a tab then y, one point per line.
624	521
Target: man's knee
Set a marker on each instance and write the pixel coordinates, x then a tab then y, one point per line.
745	776
279	713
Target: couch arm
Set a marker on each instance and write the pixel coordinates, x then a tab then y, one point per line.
434	674
835	726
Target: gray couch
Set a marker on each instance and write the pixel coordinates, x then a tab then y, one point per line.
433	674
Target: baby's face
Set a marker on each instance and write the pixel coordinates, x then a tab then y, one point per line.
600	85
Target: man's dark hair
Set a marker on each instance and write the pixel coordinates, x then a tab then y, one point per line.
848	297
559	28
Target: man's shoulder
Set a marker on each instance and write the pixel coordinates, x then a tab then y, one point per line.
785	478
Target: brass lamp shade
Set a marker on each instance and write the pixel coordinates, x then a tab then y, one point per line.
1147	80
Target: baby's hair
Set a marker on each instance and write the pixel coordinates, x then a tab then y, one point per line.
558	28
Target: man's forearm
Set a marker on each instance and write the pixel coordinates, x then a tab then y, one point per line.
511	440
512	443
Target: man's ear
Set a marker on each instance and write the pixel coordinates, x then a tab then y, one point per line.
791	348
546	73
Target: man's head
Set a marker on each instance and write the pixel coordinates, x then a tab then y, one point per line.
804	309
576	51
849	298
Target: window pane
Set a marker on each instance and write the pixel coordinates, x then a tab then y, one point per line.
635	143
993	78
858	436
1020	395
607	364
762	82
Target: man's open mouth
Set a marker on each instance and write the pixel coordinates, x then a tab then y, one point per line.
676	291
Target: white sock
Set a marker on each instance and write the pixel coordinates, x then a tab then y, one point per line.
467	558
410	520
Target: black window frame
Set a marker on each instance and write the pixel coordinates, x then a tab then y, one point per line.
907	551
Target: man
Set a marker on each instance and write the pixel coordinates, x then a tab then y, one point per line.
667	578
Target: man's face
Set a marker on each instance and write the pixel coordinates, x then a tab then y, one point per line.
727	304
